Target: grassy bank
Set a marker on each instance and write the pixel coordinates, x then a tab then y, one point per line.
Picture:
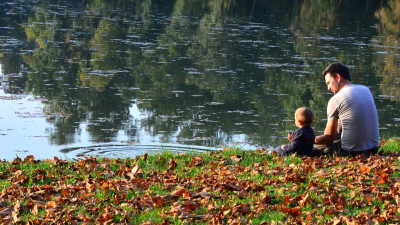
228	186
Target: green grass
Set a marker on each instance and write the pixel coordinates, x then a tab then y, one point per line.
390	146
227	186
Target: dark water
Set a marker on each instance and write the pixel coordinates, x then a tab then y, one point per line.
120	78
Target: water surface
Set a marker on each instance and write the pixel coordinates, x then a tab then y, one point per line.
117	79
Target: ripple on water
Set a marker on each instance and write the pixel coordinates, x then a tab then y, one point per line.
128	151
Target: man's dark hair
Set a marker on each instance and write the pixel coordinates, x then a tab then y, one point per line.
337	68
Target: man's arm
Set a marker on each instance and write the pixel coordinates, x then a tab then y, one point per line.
330	133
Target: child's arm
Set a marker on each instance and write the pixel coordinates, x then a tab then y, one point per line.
293	138
290	137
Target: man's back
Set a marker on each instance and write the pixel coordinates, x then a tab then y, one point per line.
354	106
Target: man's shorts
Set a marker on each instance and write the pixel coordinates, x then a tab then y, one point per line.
336	150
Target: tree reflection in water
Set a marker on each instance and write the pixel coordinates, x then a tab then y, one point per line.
203	72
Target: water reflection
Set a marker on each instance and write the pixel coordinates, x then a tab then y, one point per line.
387	47
198	73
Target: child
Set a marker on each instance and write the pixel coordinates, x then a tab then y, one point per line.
302	139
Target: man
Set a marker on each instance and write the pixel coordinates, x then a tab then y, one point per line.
352	127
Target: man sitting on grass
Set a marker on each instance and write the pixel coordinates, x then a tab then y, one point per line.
352	127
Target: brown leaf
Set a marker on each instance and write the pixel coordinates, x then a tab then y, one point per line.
135	170
356	203
296	211
169	181
377	210
339	202
48	187
261	150
29	159
288	200
382	178
225	172
85	218
182	193
295	178
309	217
328	211
105	216
64	192
35	210
15	217
362	218
232	187
365	169
35	221
89	186
17	206
157	201
368	198
172	164
147	223
180	208
337	221
16	161
241	210
234	221
145	156
197	161
186	195
226	148
51	204
236	158
254	172
305	199
267	199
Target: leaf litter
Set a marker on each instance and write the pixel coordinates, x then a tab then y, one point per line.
218	187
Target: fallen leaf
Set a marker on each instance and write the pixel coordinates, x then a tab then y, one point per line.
232	187
377	210
305	199
295	178
35	210
15	217
296	211
145	155
365	169
157	201
135	170
172	164
382	178
51	204
368	198
236	158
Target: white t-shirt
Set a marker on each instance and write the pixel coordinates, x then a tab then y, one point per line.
355	108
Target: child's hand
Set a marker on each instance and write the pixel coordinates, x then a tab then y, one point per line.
290	137
283	147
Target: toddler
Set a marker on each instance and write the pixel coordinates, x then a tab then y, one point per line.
302	139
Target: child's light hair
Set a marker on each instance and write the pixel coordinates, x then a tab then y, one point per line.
305	115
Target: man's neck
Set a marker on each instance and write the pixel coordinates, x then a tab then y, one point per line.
344	84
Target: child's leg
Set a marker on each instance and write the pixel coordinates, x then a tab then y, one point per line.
279	151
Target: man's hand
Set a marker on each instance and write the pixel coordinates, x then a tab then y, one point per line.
283	147
329	134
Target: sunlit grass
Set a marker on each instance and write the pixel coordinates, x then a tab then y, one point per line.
391	145
225	186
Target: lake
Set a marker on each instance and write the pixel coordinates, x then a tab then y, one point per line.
122	78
